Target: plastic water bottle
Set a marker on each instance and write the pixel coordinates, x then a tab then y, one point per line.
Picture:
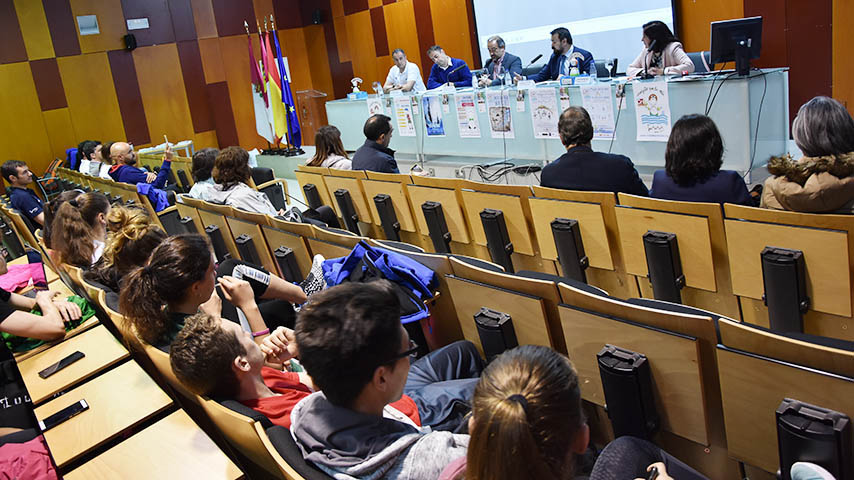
507	79
474	83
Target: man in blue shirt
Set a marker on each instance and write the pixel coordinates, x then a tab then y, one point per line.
125	171
565	57
375	155
441	73
23	199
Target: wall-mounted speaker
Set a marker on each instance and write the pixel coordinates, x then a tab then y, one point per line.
317	17
130	42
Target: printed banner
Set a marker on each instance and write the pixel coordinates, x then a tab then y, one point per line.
652	111
467	116
597	101
432	108
500	119
403	114
544	114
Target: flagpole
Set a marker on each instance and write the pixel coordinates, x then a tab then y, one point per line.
287	122
278	144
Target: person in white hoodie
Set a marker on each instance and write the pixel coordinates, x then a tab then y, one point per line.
662	53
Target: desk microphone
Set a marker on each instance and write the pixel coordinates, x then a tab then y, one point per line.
535	59
456	70
646	75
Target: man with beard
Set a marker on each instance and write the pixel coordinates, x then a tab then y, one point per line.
566	56
125	171
499	63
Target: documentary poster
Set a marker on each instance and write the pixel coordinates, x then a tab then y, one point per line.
432	108
404	117
498	109
597	101
467	116
652	111
544	113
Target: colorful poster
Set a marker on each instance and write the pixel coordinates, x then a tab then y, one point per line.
481	101
652	111
403	115
520	100
432	107
467	116
375	106
500	120
446	103
597	101
620	99
564	98
414	105
544	113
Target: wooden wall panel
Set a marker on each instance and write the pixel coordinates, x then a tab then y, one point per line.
230	15
48	84
774	47
92	101
181	12
159	21
362	52
295	49
163	96
380	35
126	84
843	66
236	64
23	134
694	18
12	47
111	23
354	6
203	18
811	71
424	31
451	28
337	8
318	62
60	133
342	39
212	60
32	20
401	31
205	139
263	9
226	128
194	86
63	27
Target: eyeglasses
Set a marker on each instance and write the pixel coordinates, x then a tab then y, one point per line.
412	352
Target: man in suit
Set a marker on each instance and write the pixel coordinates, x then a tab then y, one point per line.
580	168
441	74
499	63
566	56
375	155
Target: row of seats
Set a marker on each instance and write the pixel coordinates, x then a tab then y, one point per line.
719	249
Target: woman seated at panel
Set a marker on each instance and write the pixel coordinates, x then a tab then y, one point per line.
231	172
662	53
181	275
329	150
79	229
527	423
822	181
692	166
203	182
131	237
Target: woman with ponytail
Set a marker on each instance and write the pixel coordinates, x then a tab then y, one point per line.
131	237
79	230
527	423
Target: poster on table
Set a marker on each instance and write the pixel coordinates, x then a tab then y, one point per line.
652	111
597	101
375	106
432	108
481	101
564	98
544	113
403	115
498	110
520	100
467	116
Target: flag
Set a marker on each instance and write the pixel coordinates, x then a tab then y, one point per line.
294	131
259	98
274	91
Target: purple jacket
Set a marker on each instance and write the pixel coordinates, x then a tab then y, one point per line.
133	175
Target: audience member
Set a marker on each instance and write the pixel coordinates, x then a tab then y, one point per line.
375	155
329	150
823	180
79	229
447	70
90	158
231	173
692	166
131	237
662	53
527	423
580	168
356	351
106	160
23	199
50	212
124	167
203	182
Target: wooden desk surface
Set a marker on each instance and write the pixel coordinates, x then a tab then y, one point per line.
118	400
102	350
171	448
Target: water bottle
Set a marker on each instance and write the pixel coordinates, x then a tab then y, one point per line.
610	66
507	80
474	83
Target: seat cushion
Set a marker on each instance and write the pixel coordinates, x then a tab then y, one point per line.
558	279
281	438
476	262
246	411
406	247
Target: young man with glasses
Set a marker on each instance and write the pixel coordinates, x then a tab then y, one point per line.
357	352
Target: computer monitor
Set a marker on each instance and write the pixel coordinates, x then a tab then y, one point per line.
738	40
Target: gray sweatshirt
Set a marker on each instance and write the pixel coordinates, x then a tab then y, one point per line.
351	445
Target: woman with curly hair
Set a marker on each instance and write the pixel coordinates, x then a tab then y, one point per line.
692	166
231	172
822	181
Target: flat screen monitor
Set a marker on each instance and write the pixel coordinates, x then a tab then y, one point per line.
738	41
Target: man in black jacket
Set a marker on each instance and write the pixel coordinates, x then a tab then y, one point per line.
375	155
580	168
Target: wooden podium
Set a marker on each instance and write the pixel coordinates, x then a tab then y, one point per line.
312	113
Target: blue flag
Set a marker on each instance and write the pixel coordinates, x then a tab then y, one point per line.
294	132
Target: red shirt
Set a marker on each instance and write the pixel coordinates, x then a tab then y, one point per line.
290	391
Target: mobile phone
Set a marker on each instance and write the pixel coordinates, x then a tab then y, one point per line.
653	473
63	415
61	364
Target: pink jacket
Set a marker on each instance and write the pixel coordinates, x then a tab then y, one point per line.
673	57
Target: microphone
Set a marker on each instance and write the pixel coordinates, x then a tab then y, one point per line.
651	45
456	70
535	59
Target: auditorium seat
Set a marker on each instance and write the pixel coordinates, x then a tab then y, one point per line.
602	68
284	244
394	185
312	178
447	193
246	229
289	456
350	181
702	61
